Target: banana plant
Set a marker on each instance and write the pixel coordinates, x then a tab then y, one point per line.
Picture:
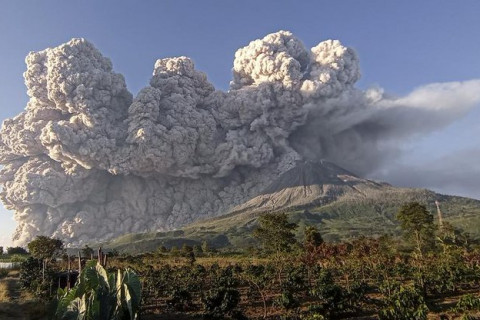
99	295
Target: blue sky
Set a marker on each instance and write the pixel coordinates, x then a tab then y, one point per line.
401	45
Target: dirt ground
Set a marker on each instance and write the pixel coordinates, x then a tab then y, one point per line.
16	305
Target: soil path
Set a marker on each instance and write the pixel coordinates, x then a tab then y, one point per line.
14	307
13	287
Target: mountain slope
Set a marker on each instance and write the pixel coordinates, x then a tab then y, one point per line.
339	203
309	183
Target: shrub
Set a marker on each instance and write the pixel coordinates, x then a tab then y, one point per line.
223	299
287	300
3	273
180	299
330	297
404	302
467	302
220	301
31	278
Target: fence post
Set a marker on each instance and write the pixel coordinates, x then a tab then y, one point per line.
79	262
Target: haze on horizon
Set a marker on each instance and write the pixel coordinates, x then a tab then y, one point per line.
439	152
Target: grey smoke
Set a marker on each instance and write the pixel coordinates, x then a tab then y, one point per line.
86	160
459	171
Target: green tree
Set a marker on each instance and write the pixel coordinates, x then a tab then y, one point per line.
33	279
275	232
45	248
16	250
197	249
187	252
113	253
312	237
1	250
311	247
417	224
186	249
87	252
162	249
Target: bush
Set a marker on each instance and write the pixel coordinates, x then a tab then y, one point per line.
404	302
220	301
3	273
287	300
18	258
330	297
467	302
312	316
355	295
180	299
31	278
223	299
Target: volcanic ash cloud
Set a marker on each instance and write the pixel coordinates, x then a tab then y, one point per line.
86	160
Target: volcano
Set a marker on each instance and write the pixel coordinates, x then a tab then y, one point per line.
339	203
311	184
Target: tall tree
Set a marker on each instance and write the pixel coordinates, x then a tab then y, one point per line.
87	252
417	224
313	238
275	232
45	248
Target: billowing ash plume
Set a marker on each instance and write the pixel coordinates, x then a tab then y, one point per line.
86	160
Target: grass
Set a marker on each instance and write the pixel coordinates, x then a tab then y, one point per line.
4	292
26	310
19	304
10	286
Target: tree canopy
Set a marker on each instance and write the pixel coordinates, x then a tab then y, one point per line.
44	247
417	223
313	238
87	251
275	232
16	250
